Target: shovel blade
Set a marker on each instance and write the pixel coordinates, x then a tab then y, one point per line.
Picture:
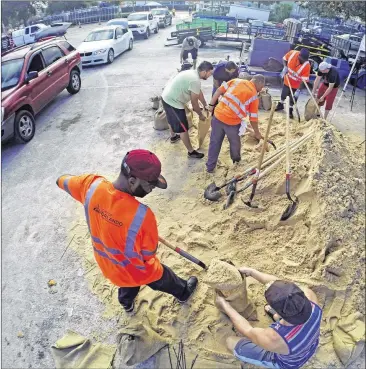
290	210
212	192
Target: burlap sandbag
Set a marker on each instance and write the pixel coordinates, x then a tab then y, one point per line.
310	110
266	100
160	121
156	102
203	128
189	114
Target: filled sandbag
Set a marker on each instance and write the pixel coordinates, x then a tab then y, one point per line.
265	100
160	120
189	115
156	102
311	110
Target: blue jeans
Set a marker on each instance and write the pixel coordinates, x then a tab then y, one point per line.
247	351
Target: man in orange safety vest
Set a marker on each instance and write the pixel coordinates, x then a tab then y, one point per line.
296	68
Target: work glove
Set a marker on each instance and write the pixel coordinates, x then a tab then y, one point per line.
243	127
284	71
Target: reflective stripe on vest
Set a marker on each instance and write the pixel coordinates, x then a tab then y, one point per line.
242	106
66	185
295	75
131	234
226	86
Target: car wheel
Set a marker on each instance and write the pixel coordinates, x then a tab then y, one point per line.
147	33
130	46
157	29
74	83
110	56
24	126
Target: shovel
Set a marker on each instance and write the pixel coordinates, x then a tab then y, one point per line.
183	253
293	99
291	208
261	156
313	98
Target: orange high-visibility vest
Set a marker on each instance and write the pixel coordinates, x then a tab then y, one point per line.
240	100
296	70
123	231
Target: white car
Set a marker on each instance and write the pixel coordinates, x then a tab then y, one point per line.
103	44
142	24
354	40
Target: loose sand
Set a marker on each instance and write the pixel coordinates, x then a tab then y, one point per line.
321	245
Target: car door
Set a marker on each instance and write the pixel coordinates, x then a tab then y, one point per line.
57	69
151	21
37	88
126	38
119	40
30	34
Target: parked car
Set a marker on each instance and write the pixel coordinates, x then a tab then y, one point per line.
118	22
162	16
142	24
103	44
31	77
27	35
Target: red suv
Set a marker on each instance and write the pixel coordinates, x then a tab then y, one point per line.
32	76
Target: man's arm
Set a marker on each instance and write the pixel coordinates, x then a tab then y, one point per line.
202	99
75	186
219	92
256	274
266	338
316	84
327	92
196	106
149	237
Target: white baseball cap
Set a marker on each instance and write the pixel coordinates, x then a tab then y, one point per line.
324	65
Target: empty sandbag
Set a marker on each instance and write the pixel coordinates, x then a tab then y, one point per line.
311	110
156	102
160	120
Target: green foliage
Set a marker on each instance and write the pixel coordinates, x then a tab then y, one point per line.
332	9
55	7
280	13
16	12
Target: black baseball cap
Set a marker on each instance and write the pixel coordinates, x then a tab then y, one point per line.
289	301
305	53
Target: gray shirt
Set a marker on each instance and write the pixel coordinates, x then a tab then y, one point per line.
187	46
177	92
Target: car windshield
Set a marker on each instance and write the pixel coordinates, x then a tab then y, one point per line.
106	34
137	17
10	73
158	12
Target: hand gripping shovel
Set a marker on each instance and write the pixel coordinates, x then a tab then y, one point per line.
293	99
183	253
261	156
291	208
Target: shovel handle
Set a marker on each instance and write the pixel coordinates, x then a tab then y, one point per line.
312	97
183	253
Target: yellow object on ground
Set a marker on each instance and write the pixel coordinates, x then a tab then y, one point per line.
75	351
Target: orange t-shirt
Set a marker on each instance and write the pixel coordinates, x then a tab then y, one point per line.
240	99
296	69
124	232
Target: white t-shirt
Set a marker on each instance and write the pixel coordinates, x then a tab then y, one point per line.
177	92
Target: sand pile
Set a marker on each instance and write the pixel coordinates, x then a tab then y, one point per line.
321	245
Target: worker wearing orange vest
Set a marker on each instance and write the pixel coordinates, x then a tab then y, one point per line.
239	101
124	232
297	68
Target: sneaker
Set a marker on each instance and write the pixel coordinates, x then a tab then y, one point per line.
279	107
195	155
174	139
129	309
291	113
191	287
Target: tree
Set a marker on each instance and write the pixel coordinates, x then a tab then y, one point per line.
16	11
280	13
55	7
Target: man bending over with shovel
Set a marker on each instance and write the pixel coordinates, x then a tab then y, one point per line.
292	338
239	100
124	232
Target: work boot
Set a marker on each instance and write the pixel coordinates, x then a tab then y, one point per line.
190	288
291	113
195	155
129	309
279	107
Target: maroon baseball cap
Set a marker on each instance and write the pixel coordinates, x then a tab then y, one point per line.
144	165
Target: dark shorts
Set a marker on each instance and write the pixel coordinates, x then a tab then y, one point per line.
193	52
177	118
247	351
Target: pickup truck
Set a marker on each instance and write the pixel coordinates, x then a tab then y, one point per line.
142	24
